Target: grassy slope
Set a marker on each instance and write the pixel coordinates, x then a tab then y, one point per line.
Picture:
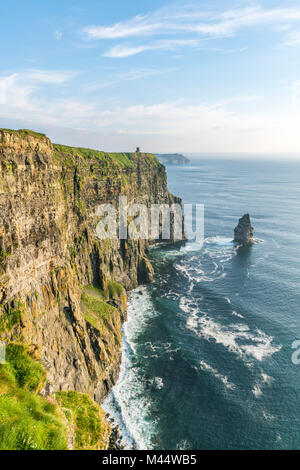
27	420
123	160
91	428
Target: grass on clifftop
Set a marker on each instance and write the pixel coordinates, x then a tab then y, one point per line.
123	160
64	153
27	421
23	132
91	429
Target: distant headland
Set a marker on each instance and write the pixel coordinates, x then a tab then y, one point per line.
172	158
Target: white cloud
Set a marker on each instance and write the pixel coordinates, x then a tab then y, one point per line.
293	39
138	26
122	51
20	93
47	76
173	125
16	94
190	21
193	20
131	75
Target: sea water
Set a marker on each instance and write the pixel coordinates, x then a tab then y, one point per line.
207	352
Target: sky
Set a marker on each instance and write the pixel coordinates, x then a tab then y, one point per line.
168	76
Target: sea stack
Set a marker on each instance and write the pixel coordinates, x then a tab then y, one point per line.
243	233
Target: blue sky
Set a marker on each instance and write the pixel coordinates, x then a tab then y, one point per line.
199	76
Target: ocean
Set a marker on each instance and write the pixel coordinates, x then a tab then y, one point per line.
207	353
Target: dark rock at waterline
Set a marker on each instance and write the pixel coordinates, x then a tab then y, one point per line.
115	440
243	232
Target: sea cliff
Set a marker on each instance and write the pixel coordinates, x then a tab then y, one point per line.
62	290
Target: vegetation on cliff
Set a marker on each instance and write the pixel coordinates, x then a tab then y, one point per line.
24	133
62	290
27	421
123	160
91	429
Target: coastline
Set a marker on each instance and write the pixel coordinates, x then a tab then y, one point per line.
136	424
127	387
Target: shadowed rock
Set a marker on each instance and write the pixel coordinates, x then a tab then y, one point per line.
243	233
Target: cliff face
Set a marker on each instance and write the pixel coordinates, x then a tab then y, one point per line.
62	290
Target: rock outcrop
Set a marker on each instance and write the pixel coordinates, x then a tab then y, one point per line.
62	290
243	232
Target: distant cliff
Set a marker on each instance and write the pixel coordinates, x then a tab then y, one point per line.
62	290
172	158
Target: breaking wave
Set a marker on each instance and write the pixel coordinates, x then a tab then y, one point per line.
127	403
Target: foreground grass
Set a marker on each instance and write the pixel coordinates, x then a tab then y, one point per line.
27	421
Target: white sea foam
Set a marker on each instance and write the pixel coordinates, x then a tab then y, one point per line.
236	314
266	378
216	252
236	338
193	273
184	445
191	246
262	381
157	382
268	416
220	241
224	379
127	403
256	391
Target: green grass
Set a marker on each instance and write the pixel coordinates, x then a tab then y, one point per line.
94	307
94	291
23	132
115	289
122	160
88	418
26	372
27	421
4	254
9	319
31	422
